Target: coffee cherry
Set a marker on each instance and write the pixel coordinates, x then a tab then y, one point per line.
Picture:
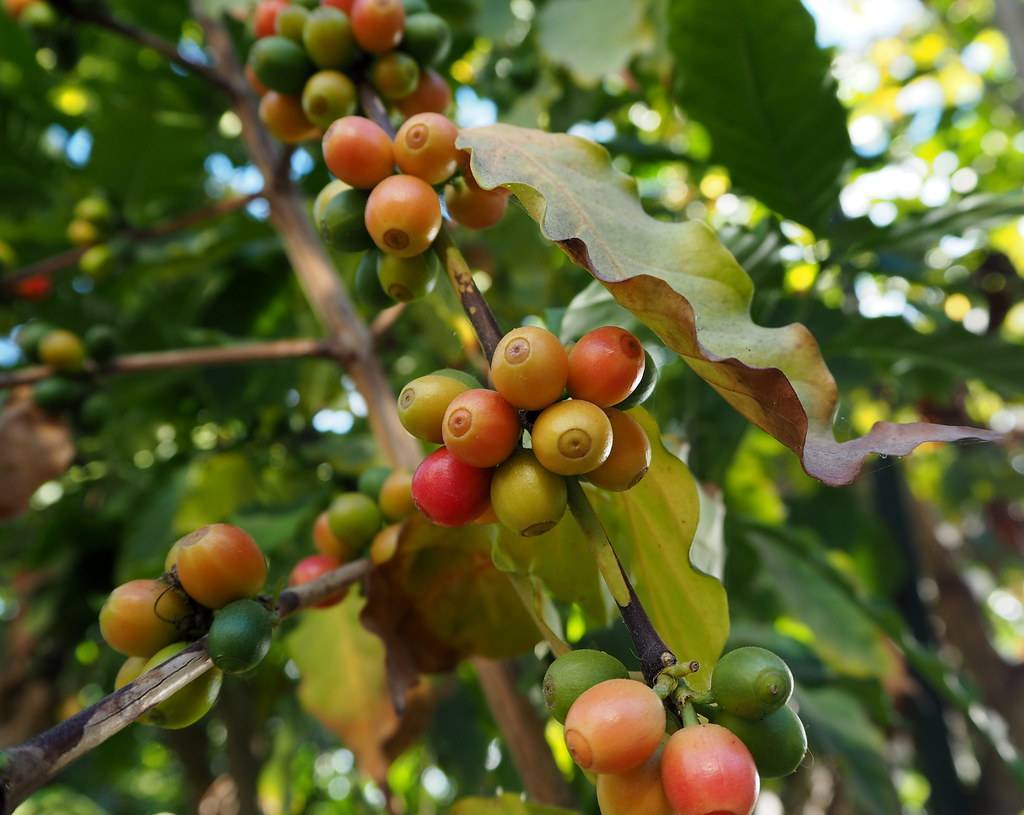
29	336
643	391
100	342
219	564
706	769
58	393
403	215
62	351
605	366
425	147
358	151
396	496
575	672
83	233
240	636
368	291
291	20
284	118
450	492
192	702
572	437
354	518
432	95
313	568
527	498
394	75
634	792
95	412
475	208
777	742
328	96
254	81
280	64
530	367
751	682
264	21
468	380
481	428
97	261
630	457
371	480
406	279
324	197
142	616
378	24
344	5
328	38
129	671
614	726
427	37
326	542
423	402
385	544
343	222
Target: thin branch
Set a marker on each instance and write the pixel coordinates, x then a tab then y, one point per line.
28	766
64	260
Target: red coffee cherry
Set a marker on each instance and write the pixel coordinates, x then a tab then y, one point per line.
706	769
432	95
475	208
142	616
312	568
530	367
635	792
344	5
450	492
425	147
403	215
615	726
630	457
220	563
480	428
378	24
264	21
285	119
327	543
605	366
358	152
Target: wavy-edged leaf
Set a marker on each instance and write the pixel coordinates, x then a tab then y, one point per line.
684	285
751	72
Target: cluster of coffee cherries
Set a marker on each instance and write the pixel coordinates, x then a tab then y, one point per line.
484	470
91	225
647	763
70	389
309	58
212	577
356	522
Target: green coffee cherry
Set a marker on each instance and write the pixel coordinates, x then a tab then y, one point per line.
280	64
97	260
240	636
192	702
407	279
94	208
100	342
648	382
777	742
573	673
751	682
95	412
343	225
291	21
328	95
371	480
368	291
527	498
414	7
29	336
328	38
58	393
395	75
423	402
468	380
354	518
427	37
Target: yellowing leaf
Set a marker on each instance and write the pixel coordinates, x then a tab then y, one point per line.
686	287
34	448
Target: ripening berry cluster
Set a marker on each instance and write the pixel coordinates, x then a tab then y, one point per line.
310	57
485	471
211	577
616	728
356	521
92	223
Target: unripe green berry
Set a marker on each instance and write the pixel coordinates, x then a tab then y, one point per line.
369	293
648	382
328	38
343	226
327	97
240	636
751	682
573	673
354	518
526	497
423	402
407	279
778	742
395	75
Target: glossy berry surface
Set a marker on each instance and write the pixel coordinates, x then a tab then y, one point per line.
280	64
396	496
572	437
403	215
142	616
605	366
423	402
526	497
220	563
450	492
291	20
328	38
635	792
284	117
312	568
378	24
407	279
327	97
343	222
575	672
425	147
331	189
427	37
355	519
630	458
615	726
358	152
645	388
530	367
264	22
432	95
706	770
475	208
480	428
189	704
751	682
394	75
778	742
240	636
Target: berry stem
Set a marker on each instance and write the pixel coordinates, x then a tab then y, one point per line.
689	715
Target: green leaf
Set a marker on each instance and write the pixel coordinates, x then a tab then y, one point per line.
507	804
683	284
652	528
751	72
593	38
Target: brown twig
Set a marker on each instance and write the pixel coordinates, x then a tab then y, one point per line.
48	266
27	767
